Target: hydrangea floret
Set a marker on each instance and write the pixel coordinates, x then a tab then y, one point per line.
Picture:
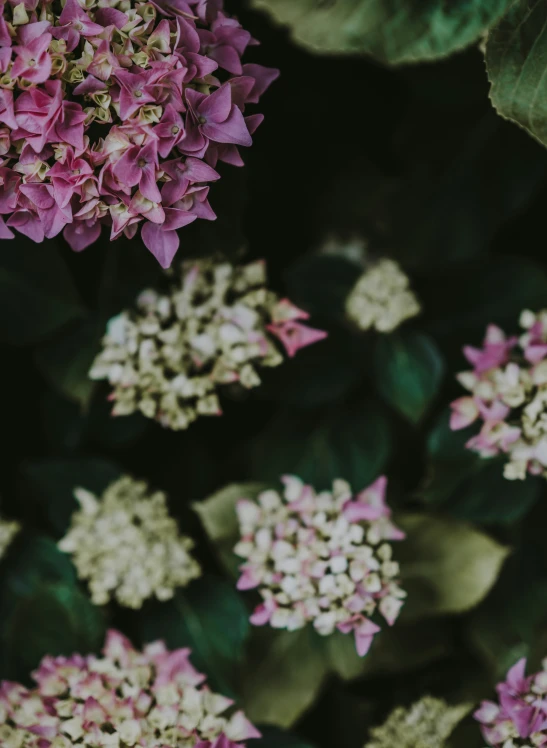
8	530
127	546
321	557
382	298
519	718
426	724
116	112
149	699
508	386
216	326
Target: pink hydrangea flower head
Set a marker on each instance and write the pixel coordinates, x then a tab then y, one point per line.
152	699
126	110
520	716
321	557
508	396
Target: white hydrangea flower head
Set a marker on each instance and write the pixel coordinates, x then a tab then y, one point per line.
321	557
8	531
217	325
126	545
426	724
382	298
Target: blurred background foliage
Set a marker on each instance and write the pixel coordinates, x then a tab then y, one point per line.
414	161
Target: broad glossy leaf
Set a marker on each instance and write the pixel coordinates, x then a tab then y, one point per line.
351	441
395	650
517	66
394	31
209	617
52	482
219	518
321	283
320	374
497	289
284	681
464	485
408	369
37	294
66	360
447	566
58	619
272	737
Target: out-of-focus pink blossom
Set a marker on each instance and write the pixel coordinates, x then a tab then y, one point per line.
508	396
126	697
520	717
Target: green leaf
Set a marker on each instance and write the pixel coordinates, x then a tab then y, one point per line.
283	682
321	284
517	66
394	31
57	619
272	737
497	289
65	361
395	650
446	566
464	485
37	294
33	561
353	442
210	618
320	374
409	369
219	518
52	482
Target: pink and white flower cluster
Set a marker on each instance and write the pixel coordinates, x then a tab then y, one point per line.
508	386
520	717
321	558
151	699
116	112
216	326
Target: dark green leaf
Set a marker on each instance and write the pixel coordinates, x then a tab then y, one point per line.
210	618
409	370
394	31
57	619
65	361
320	374
321	283
37	294
353	442
476	194
272	737
33	560
466	486
517	66
52	484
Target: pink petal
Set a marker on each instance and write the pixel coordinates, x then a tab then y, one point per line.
163	244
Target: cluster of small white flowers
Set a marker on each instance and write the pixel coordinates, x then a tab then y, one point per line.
321	558
426	724
127	546
8	531
216	325
382	298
